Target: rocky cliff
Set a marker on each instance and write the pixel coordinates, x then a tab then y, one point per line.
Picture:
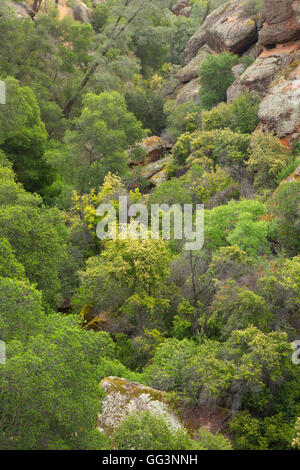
78	9
272	37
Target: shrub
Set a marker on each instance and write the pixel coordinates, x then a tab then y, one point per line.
239	116
216	76
268	157
146	431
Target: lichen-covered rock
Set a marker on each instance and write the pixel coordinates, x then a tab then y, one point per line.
182	8
260	74
160	177
189	92
254	51
155	148
231	27
155	167
191	70
279	112
238	70
81	12
281	20
124	397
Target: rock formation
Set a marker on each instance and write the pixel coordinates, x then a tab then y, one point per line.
155	148
124	397
281	21
272	38
182	8
79	10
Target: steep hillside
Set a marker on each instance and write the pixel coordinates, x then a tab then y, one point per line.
272	37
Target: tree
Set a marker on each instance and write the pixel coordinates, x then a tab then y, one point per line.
21	314
235	308
148	107
211	441
23	136
37	235
217	147
103	132
182	118
250	433
211	372
117	35
285	208
240	116
146	431
9	265
267	159
216	76
136	268
57	55
49	394
224	224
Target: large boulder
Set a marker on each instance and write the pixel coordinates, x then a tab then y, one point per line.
262	72
81	12
191	70
153	168
231	27
281	20
124	397
279	111
155	147
182	8
189	92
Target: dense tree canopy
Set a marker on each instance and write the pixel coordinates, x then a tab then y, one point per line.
212	327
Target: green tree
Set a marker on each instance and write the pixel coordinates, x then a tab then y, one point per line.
285	208
23	136
267	159
224	224
240	116
236	308
21	314
54	405
146	431
38	239
216	76
148	107
103	132
137	268
217	147
182	118
250	433
9	265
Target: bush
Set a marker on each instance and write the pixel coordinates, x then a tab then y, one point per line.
268	157
100	16
146	431
285	207
271	433
148	107
239	116
182	118
212	441
217	147
216	76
